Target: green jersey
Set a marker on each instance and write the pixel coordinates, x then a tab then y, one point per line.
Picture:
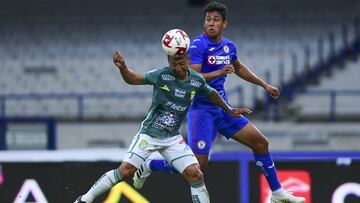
171	101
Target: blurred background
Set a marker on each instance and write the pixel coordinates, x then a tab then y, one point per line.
64	107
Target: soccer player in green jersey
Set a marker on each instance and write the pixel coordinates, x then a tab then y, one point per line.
174	88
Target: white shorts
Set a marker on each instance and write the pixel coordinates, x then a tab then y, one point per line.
175	151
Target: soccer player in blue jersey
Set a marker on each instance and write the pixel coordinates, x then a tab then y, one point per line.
215	56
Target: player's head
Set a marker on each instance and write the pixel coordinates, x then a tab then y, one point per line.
179	65
215	19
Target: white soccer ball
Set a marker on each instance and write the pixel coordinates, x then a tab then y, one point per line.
175	42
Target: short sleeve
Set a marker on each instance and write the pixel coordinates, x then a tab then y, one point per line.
196	52
234	57
205	89
151	77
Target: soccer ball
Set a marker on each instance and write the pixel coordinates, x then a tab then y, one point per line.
175	42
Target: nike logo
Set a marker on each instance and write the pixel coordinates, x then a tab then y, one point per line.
212	49
165	87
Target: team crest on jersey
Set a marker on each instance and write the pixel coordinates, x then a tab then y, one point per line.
226	49
201	144
143	144
211	60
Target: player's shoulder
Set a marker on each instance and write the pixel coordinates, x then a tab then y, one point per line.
159	71
199	41
163	69
196	76
228	42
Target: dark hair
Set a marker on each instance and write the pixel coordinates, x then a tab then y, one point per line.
178	57
218	7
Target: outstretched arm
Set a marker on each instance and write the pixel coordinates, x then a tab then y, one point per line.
245	73
234	112
228	69
128	75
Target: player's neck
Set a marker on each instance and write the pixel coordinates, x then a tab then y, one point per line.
216	39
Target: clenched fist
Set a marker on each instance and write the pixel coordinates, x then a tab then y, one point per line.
119	60
227	69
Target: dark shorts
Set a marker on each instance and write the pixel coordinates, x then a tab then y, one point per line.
203	126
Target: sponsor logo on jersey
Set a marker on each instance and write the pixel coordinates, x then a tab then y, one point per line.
167	77
143	144
201	144
166	121
180	93
211	60
178	107
175	106
165	87
212	49
218	60
226	49
195	83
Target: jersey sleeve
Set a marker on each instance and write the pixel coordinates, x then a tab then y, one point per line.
152	76
234	57
205	89
196	52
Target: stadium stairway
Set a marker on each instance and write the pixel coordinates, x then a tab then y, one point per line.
343	63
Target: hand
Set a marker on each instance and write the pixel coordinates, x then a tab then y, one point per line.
273	91
236	112
118	60
227	69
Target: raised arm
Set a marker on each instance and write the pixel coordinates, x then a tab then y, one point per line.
245	73
234	112
228	69
128	75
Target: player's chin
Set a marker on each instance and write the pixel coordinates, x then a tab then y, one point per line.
180	73
212	33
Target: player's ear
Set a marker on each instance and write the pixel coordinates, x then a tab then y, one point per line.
225	24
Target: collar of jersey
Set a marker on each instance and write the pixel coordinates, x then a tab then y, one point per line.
212	42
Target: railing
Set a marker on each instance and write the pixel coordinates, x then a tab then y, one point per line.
80	98
325	63
63	96
332	94
270	113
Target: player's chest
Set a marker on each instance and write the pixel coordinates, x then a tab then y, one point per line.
177	92
217	55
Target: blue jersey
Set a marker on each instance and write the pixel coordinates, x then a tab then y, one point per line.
213	56
205	119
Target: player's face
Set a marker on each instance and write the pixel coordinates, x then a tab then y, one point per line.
179	66
214	24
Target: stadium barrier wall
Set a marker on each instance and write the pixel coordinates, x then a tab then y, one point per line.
60	176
